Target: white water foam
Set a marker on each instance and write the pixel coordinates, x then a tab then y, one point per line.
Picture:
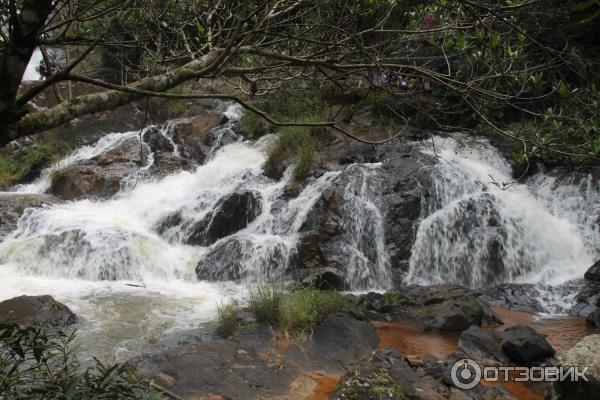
476	234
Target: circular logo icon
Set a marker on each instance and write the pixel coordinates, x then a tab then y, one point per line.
465	374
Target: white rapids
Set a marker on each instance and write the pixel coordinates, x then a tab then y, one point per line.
476	233
131	284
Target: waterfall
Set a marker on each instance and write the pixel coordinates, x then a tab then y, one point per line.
367	262
143	233
474	233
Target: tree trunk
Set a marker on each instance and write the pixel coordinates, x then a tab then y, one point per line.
25	27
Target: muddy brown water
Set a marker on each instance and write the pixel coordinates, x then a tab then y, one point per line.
562	333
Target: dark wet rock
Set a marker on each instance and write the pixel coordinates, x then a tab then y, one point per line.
586	353
154	138
593	273
232	214
99	177
36	310
224	260
588	300
523	344
13	205
336	344
440	307
323	278
195	136
447	307
514	296
593	318
482	346
235	258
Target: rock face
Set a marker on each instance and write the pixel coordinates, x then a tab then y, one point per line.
440	307
102	176
395	188
520	344
251	366
586	353
36	310
588	303
13	205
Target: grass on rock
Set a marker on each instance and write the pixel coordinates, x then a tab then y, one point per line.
293	312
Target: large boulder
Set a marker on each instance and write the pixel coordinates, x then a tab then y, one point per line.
524	345
37	311
13	205
101	176
586	353
231	214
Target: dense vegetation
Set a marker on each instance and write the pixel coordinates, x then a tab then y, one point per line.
40	364
524	70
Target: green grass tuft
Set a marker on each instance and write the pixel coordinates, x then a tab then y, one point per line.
295	312
228	318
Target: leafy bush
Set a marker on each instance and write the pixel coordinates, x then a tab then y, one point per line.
37	364
228	320
294	312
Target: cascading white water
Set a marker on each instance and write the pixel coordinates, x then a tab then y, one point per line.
367	261
474	233
112	264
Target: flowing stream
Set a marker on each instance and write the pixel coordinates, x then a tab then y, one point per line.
134	280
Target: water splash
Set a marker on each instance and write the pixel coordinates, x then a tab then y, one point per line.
476	234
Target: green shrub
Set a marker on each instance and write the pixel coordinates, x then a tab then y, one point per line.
228	318
39	365
253	126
